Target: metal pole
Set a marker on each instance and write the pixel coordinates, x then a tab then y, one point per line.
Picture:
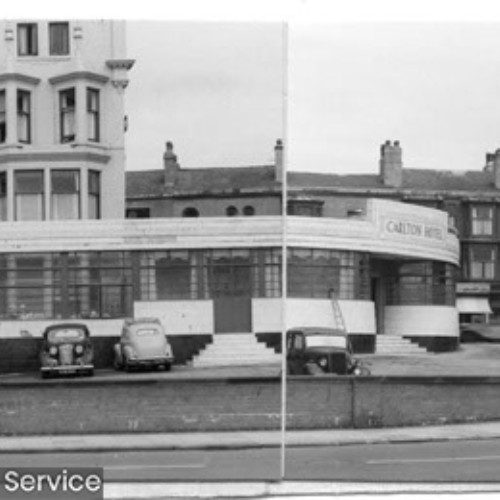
284	253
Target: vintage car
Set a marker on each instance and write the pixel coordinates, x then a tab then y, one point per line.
314	351
143	344
479	332
66	350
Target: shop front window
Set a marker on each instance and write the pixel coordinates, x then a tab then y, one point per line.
421	283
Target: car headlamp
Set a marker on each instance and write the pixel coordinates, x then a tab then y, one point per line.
323	362
53	350
79	349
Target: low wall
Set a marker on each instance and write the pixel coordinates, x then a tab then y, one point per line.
177	405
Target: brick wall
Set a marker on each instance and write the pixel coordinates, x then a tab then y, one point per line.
175	405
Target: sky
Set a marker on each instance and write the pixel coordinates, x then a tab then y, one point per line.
218	91
221	81
213	89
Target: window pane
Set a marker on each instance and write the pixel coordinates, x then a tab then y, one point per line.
67	114
23	116
29	207
59	39
93	115
3	118
30	181
65	206
27	39
65	181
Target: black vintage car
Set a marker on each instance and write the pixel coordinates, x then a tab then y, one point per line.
66	350
314	351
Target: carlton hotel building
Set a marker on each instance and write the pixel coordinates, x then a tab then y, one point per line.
199	248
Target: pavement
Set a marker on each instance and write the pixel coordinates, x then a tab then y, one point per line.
246	439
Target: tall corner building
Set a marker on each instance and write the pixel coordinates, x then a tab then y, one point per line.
62	120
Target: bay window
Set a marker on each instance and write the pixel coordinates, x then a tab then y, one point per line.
29	195
65	187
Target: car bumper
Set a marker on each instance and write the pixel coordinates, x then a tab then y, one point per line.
150	361
66	369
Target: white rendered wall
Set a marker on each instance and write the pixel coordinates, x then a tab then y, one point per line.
359	315
35	328
424	321
179	317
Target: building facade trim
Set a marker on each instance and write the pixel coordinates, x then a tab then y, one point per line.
19	77
79	75
54	156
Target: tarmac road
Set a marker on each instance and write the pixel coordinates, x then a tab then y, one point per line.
436	462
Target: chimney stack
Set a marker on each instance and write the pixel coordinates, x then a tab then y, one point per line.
496	169
391	164
278	161
170	165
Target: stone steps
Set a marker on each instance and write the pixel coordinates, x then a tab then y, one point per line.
235	349
392	345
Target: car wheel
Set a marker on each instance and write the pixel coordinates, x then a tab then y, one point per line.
128	368
90	372
168	366
45	375
117	365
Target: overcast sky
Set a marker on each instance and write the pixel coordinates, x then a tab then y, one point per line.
216	90
433	86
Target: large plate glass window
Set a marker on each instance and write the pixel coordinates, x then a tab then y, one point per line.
29	195
65	194
27	39
58	39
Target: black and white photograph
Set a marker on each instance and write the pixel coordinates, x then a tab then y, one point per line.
249	254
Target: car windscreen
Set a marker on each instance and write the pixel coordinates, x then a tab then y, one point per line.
147	332
326	341
66	335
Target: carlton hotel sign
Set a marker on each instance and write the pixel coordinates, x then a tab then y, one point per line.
413	229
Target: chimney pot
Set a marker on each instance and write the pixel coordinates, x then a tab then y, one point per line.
391	164
278	161
170	165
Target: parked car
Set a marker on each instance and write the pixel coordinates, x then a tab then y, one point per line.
143	344
66	350
479	332
314	351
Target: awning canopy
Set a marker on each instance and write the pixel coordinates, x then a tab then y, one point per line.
473	305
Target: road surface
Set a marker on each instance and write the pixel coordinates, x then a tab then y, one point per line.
455	461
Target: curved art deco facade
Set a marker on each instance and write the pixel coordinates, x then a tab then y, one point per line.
391	268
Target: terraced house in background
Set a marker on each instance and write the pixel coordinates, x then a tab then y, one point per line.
201	248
